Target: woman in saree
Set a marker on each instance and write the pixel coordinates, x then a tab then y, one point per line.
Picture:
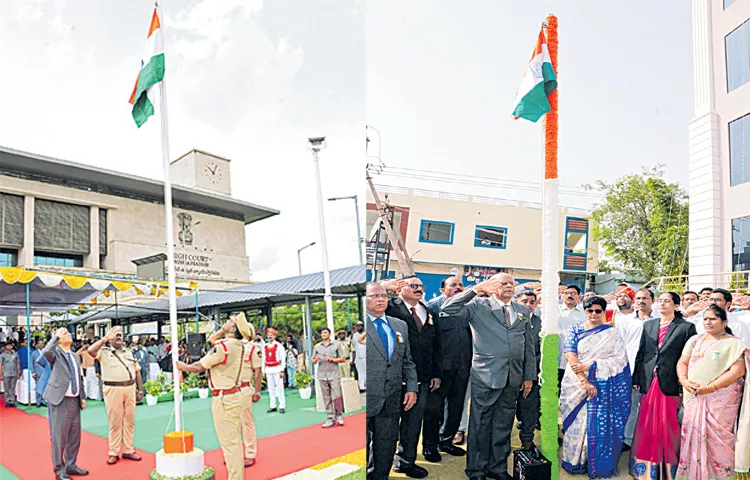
595	395
656	442
712	372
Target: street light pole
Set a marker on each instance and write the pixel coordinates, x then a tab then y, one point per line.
316	145
356	215
306	312
299	256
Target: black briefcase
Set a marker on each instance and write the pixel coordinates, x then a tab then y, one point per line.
531	465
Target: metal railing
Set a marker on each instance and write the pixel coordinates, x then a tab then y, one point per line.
734	282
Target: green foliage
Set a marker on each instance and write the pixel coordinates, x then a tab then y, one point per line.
192	380
642	224
302	379
290	317
206	474
739	283
164	383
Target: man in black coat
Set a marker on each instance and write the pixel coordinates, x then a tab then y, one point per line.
424	340
445	405
528	408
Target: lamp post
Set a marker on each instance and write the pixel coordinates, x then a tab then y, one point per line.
316	144
299	256
356	215
306	312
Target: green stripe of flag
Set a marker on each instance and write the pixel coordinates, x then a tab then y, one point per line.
151	74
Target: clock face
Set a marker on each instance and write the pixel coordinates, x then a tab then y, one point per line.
212	172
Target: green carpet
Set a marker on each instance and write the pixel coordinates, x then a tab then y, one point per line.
6	474
151	423
550	401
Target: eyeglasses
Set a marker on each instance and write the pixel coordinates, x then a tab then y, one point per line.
378	295
570	294
416	286
597	311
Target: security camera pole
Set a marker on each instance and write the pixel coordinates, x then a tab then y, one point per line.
317	144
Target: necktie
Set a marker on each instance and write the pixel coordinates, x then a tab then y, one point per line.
506	311
383	335
417	320
73	376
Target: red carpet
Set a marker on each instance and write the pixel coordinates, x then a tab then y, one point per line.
25	450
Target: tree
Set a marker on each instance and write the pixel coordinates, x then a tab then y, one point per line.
642	224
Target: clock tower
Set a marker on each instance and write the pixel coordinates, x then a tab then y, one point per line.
202	170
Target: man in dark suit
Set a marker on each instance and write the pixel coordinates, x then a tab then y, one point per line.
389	366
503	363
528	409
424	340
66	397
455	347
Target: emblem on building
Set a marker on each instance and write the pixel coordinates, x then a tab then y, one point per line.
186	223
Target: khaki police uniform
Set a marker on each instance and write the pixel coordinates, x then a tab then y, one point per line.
329	377
253	360
119	369
224	363
346	351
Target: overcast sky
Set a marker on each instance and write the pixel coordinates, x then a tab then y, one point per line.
442	77
247	80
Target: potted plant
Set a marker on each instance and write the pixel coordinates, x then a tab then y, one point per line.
303	381
203	387
192	382
153	390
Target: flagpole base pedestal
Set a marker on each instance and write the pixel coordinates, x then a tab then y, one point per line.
175	466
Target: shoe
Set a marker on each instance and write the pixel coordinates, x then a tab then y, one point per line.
112	459
451	449
499	476
281	410
76	471
271	410
249	462
132	456
459	438
329	424
62	476
414	471
431	455
340	420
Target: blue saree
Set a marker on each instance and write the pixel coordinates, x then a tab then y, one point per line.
594	428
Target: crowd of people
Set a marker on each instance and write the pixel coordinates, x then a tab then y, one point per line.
658	377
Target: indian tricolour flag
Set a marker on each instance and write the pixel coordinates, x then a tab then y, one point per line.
538	82
152	72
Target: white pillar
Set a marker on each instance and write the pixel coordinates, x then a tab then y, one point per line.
704	165
26	253
92	259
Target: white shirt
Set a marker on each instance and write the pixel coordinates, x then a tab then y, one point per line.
421	311
630	328
361	350
499	303
391	333
14	336
736	322
568	318
2	336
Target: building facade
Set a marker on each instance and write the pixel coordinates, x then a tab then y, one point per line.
480	236
719	142
56	214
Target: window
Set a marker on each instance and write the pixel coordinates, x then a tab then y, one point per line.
11	220
575	254
490	237
61	227
431	231
741	244
8	258
102	232
737	45
57	259
739	158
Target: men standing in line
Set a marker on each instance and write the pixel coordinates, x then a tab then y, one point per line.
37	366
121	378
10	369
630	328
504	363
571	313
390	365
345	368
424	339
224	364
274	363
328	355
445	405
528	407
66	397
359	356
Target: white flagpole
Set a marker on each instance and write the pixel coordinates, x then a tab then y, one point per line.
170	240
